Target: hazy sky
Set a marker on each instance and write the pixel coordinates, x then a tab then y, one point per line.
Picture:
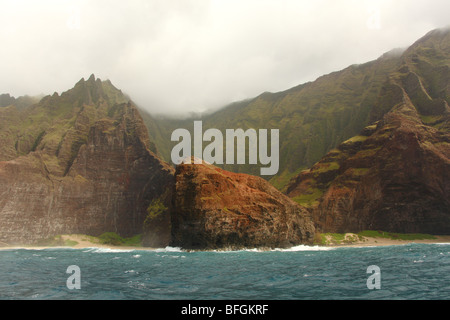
177	56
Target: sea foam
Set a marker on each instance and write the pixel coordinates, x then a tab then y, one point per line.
106	250
305	248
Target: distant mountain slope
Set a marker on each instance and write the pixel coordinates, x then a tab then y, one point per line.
21	102
313	118
395	175
6	100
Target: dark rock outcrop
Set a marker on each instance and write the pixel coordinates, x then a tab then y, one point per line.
214	208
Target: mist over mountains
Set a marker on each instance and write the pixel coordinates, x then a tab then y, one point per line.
314	117
181	56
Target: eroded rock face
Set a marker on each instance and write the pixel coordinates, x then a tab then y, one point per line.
395	179
214	208
395	175
95	175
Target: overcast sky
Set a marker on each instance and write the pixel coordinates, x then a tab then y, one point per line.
178	56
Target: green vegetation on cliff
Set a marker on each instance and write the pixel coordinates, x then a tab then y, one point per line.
329	239
396	236
77	162
112	238
393	174
58	125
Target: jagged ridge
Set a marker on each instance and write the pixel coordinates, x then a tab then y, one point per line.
78	162
394	175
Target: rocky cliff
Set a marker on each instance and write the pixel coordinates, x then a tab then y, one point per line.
77	163
214	208
81	163
394	176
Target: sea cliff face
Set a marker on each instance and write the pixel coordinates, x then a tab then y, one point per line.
394	176
89	171
214	208
394	179
80	163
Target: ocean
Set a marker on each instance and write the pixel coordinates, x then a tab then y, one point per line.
405	272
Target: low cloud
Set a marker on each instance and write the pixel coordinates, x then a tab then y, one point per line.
184	56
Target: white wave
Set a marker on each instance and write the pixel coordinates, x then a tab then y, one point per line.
35	248
169	249
237	250
171	256
131	271
305	248
292	249
106	250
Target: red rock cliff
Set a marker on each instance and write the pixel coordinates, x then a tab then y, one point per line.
214	208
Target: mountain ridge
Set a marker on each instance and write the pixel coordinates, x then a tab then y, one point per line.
393	176
79	162
302	113
313	117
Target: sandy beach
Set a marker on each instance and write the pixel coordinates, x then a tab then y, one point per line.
374	242
74	241
83	241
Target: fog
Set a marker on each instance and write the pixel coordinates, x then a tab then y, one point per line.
180	56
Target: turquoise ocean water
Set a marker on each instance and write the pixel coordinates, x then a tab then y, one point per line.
407	272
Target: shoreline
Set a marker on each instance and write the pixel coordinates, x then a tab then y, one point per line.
382	242
84	242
